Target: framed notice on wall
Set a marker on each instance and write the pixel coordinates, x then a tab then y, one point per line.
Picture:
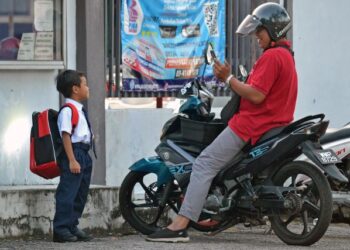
31	30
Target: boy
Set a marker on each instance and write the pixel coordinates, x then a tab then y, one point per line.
76	163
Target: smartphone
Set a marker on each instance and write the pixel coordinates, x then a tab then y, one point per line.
213	55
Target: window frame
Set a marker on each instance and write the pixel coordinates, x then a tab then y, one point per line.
37	64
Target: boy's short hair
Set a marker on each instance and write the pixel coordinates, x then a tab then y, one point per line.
66	80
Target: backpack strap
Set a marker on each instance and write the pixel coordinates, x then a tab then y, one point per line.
75	114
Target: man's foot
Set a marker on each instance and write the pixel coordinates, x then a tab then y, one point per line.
64	237
81	235
167	235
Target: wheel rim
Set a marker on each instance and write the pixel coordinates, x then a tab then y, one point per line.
303	216
143	199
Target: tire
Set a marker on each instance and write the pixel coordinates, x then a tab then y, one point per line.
142	220
314	200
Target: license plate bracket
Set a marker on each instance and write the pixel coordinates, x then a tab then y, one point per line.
327	156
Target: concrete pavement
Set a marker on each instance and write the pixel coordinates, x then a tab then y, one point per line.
337	237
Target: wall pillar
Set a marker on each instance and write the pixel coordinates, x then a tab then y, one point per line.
91	60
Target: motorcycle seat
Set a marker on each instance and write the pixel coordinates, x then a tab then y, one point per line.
342	133
299	124
268	135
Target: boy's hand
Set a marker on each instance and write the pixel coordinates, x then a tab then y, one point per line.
221	71
74	167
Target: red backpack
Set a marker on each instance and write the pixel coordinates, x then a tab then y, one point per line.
46	143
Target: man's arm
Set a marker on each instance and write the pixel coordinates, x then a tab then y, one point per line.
222	72
246	91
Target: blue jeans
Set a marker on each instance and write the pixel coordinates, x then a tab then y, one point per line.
72	190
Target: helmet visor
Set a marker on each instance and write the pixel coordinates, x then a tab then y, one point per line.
248	25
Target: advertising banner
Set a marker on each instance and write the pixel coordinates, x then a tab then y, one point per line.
163	42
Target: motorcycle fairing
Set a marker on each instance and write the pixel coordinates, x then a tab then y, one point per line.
275	151
190	106
168	154
153	165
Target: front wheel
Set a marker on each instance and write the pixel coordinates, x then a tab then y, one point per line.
140	199
310	211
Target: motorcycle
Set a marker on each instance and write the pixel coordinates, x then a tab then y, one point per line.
339	141
261	182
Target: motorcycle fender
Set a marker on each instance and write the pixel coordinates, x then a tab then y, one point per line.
153	165
330	170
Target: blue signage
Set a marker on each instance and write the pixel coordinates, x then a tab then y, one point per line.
163	42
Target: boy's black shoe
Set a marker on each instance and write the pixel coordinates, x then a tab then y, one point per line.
66	237
81	235
167	235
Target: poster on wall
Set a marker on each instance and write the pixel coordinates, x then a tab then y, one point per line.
44	46
163	42
26	47
43	15
36	46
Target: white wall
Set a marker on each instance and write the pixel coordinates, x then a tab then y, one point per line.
131	134
321	43
21	93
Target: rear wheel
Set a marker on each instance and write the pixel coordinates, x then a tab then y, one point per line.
310	212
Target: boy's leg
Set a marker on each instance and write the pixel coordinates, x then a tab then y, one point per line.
65	195
85	161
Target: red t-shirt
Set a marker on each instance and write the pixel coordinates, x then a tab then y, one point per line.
275	76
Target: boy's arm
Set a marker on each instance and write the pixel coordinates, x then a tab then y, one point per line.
74	165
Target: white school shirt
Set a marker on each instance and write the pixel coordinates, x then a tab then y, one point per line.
81	132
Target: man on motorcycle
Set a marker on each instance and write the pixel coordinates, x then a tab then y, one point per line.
267	100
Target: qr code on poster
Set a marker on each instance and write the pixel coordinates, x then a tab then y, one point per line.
210	17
